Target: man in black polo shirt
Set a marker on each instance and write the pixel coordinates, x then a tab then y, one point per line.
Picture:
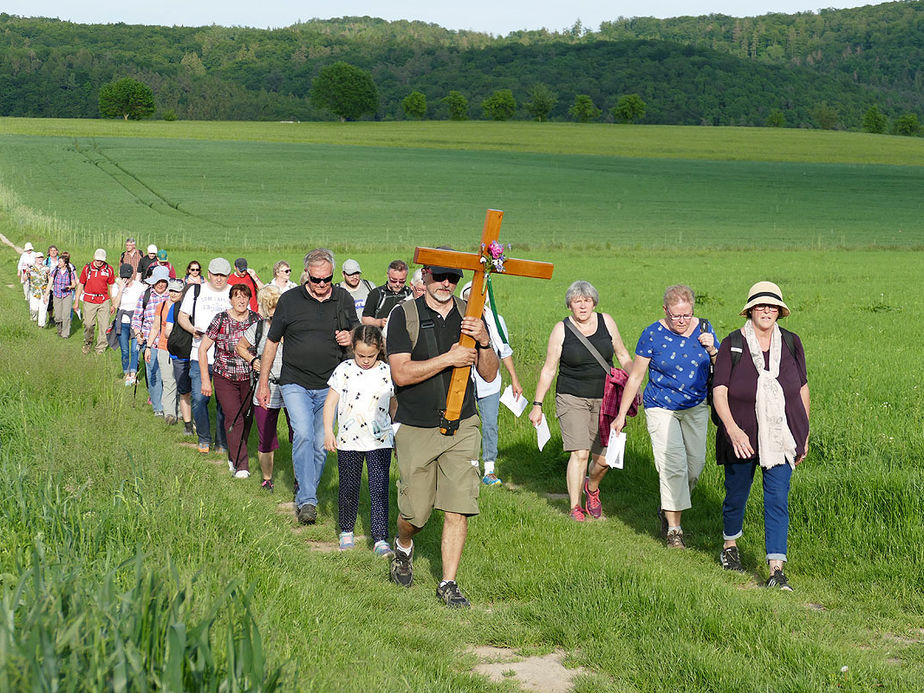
383	298
315	320
437	471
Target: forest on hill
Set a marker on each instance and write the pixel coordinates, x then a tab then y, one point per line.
822	69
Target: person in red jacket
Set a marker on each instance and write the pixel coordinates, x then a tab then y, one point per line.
93	287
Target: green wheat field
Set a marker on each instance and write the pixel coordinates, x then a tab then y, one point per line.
129	562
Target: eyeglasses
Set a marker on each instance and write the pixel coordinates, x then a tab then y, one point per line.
440	277
766	308
678	318
321	280
287	270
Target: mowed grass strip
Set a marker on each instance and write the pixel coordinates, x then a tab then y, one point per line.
254	195
643	141
633	614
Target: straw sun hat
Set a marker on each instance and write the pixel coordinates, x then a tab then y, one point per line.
765	293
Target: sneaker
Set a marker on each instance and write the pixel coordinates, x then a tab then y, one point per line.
231	466
675	539
490	480
730	559
592	503
346	541
381	548
267	485
187	428
203	448
128	381
402	568
577	514
307	514
169	419
220	450
778	580
662	518
159	414
242	474
449	592
86	349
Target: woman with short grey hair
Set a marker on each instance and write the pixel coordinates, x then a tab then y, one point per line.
579	392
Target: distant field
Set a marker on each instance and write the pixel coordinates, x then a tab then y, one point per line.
183	193
646	141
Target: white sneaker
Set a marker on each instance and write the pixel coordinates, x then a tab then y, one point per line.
242	474
231	466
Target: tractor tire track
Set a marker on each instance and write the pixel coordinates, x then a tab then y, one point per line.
136	187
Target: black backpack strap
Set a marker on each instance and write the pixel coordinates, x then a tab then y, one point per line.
790	341
736	342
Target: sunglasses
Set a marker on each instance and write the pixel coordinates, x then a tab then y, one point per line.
195	269
440	277
286	271
321	280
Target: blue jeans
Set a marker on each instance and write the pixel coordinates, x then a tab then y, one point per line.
487	410
738	478
306	414
155	383
200	411
129	347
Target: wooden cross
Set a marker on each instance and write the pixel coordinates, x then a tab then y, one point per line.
474	262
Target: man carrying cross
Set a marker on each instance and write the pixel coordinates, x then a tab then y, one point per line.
437	471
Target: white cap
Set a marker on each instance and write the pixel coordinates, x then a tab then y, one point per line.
100	255
152	249
159	274
351	266
28	246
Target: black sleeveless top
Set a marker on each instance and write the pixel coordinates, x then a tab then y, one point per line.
579	373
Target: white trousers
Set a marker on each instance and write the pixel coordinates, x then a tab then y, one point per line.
38	310
678	442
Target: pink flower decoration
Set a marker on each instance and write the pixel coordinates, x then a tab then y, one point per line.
496	250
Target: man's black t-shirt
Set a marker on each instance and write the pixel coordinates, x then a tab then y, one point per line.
420	404
310	352
381	300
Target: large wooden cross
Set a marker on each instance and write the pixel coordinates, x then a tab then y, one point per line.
476	263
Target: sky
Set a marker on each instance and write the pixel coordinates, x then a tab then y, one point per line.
490	16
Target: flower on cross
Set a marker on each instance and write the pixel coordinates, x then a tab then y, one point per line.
493	256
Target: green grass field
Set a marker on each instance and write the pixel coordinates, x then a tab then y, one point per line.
94	479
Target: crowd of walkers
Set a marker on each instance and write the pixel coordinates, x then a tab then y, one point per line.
363	370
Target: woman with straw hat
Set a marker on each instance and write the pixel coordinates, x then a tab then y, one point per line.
761	396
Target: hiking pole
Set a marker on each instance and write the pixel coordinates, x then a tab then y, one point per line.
141	362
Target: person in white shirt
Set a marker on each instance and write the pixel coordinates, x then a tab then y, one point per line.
196	313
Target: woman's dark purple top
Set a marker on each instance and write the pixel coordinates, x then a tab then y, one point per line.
742	393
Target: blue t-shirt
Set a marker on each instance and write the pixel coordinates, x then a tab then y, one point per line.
679	367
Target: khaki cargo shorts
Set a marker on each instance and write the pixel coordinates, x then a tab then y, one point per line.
438	471
579	421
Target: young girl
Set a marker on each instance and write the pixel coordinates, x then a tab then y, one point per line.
363	398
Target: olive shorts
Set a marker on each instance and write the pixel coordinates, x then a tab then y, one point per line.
579	421
438	471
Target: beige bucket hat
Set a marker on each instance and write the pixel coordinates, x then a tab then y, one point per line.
765	293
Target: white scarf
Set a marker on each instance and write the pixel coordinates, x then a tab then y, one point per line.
775	444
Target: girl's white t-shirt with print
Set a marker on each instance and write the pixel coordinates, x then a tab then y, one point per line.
363	421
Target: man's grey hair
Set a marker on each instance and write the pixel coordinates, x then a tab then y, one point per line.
417	277
679	293
130	240
581	289
319	256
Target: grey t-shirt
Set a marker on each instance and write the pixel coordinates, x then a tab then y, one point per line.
359	294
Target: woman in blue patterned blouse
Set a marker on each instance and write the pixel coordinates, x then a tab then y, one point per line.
676	352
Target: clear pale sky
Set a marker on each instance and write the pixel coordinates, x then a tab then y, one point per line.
492	16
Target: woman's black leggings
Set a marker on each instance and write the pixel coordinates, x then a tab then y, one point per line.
350	473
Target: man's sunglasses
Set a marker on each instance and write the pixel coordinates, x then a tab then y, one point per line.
321	280
440	277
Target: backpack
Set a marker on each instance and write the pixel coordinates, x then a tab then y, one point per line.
413	324
179	343
384	297
736	343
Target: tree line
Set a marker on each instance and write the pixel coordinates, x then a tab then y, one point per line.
54	68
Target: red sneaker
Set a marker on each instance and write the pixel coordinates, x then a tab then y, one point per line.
577	514
592	501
